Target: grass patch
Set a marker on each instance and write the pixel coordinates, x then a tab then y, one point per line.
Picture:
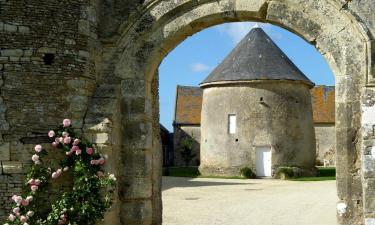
192	172
183	172
324	173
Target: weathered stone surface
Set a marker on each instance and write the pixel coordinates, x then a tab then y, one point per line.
12	167
5	151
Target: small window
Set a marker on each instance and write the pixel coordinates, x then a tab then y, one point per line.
232	124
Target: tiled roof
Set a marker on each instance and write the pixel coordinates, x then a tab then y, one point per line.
189	104
323	102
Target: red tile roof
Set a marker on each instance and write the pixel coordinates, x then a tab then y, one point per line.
323	102
188	105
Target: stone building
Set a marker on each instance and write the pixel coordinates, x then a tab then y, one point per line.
323	104
96	62
256	112
166	141
186	124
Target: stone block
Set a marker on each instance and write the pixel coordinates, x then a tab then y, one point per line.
47	50
1	26
12	167
137	212
10	28
70	41
246	6
136	162
282	13
12	52
14	59
134	187
28	52
84	27
5	151
133	87
137	134
101	138
23	29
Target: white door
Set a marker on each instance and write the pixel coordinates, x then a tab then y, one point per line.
263	161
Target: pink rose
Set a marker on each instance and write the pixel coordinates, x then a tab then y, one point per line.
35	158
78	151
24	202
51	134
11	217
38	148
66	169
29	198
89	151
93	162
55	144
16	210
69	153
37	182
31	181
34	188
65	134
55	175
25	224
23	219
76	142
61	139
101	161
67	140
74	148
66	122
18	200
14	197
59	171
30	213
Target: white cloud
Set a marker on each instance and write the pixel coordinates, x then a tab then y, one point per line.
237	31
200	67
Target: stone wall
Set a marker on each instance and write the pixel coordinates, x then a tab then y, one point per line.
325	144
276	114
179	134
46	75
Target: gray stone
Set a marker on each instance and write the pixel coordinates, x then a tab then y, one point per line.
12	52
12	167
5	151
10	28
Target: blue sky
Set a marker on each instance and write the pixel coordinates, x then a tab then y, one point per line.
192	61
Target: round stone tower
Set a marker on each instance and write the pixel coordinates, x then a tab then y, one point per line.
256	113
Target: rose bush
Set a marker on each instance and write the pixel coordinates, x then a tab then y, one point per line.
88	199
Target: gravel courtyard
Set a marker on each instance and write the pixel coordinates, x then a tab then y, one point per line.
204	201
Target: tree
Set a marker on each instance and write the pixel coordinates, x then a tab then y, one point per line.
187	154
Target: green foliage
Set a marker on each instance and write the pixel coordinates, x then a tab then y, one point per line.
247	173
187	154
285	173
88	199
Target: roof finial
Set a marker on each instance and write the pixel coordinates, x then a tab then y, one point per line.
256	25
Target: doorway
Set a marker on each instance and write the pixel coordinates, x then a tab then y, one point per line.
263	161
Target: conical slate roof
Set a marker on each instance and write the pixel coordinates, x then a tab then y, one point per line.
256	57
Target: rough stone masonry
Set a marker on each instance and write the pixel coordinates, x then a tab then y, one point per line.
95	61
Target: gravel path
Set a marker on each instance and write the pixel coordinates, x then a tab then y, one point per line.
203	201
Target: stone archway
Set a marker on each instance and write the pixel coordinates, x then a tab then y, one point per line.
132	59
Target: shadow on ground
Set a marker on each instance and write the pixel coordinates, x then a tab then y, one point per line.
173	182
